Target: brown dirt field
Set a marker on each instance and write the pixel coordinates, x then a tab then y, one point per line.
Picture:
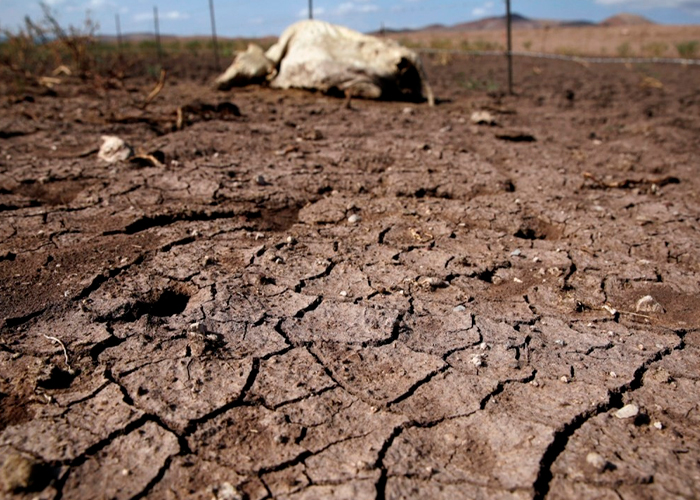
608	41
231	330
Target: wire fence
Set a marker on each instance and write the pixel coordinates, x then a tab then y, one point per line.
562	57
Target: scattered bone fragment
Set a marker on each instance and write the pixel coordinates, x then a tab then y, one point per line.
649	304
114	149
483	118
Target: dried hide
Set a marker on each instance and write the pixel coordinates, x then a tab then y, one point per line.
316	55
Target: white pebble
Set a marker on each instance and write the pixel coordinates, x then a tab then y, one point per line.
354	219
658	425
459	308
343	293
597	461
627	411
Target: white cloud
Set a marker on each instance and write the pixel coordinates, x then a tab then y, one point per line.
692	6
304	13
344	9
483	10
356	7
173	15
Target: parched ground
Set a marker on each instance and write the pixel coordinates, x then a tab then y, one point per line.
306	301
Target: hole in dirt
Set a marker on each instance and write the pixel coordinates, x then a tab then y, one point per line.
57	378
168	303
52	193
275	219
537	229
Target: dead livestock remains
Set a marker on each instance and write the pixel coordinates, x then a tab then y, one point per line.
317	55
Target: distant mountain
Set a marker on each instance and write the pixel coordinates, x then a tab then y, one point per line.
496	23
522	22
626	20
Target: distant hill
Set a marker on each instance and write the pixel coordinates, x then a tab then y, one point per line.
522	22
496	23
626	20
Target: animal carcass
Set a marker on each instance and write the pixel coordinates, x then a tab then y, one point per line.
316	55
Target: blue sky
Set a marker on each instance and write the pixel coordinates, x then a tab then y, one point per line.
237	18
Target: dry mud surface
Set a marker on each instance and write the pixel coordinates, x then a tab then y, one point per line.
305	301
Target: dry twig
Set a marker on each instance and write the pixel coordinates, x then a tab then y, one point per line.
65	351
156	90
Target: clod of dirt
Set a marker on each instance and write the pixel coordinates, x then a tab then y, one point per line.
627	411
20	473
114	149
483	118
649	304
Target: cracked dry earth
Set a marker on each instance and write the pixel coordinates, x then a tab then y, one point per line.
307	301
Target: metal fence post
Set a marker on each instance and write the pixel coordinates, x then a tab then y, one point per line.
509	53
311	9
119	33
160	50
213	35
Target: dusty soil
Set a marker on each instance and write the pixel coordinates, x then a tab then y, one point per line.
231	330
608	41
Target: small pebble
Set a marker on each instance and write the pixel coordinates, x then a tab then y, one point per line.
516	253
343	293
354	219
564	379
260	181
613	375
658	425
627	411
477	360
597	461
459	308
